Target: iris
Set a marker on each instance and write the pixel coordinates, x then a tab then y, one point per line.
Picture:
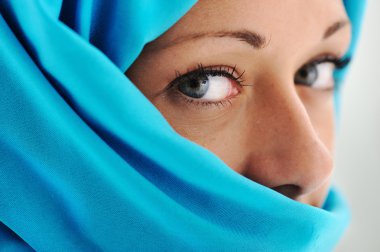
195	87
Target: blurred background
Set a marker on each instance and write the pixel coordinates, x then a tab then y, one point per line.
358	143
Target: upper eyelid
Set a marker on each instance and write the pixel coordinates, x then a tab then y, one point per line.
338	61
224	70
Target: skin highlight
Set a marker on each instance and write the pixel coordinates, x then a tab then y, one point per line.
270	129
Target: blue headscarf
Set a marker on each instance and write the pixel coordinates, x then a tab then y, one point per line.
87	163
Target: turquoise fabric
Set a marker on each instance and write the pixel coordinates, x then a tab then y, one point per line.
87	163
355	10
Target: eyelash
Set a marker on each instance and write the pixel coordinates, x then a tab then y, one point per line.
201	71
232	74
339	63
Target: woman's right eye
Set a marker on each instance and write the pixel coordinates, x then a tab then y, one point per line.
194	87
208	85
208	88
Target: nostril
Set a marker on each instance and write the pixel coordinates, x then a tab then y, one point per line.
289	190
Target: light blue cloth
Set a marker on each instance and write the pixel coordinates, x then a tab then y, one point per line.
87	163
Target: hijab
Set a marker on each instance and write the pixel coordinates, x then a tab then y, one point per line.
89	164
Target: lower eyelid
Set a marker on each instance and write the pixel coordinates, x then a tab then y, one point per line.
192	103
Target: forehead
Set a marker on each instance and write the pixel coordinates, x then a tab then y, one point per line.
293	23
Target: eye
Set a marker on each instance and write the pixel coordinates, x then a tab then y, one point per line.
209	84
319	74
210	88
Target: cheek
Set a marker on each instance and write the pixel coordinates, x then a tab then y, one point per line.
233	133
219	131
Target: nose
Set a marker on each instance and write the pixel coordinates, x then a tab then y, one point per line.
290	158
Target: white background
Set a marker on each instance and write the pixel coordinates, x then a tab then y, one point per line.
358	143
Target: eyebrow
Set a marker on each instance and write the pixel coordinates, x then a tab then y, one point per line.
254	39
332	29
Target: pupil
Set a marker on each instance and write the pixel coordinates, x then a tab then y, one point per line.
194	84
303	73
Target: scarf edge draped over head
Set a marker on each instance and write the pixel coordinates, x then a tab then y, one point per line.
86	161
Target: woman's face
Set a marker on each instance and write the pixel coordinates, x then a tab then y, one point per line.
252	82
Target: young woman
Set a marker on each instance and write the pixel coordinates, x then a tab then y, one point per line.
172	125
255	88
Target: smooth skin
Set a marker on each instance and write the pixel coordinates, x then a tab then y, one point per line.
270	128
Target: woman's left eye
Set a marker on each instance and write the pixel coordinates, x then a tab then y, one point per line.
316	75
319	74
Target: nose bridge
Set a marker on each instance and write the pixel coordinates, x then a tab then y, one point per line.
305	158
296	156
293	121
